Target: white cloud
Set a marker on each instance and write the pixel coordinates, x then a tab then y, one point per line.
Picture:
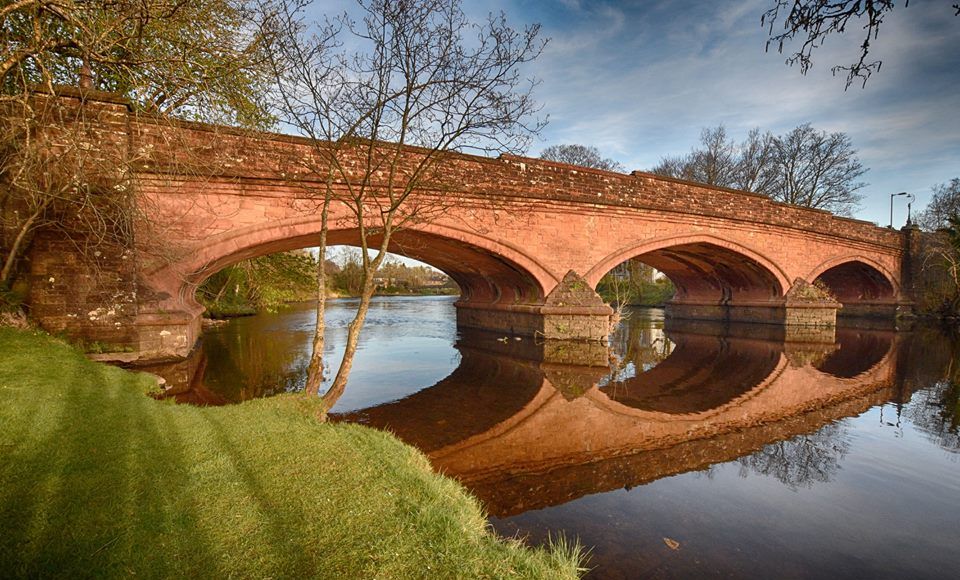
640	81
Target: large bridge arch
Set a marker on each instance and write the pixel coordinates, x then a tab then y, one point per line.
487	271
703	267
862	285
884	280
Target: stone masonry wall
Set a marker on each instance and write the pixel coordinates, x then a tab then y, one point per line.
84	284
262	156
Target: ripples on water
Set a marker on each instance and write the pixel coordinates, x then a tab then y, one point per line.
695	451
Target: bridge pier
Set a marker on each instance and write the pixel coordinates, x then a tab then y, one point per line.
807	313
583	323
572	311
874	309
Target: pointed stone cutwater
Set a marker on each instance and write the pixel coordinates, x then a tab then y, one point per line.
574	311
810	313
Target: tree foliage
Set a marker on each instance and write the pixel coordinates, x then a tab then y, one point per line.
197	59
635	283
193	58
394	277
264	283
803	167
582	156
813	21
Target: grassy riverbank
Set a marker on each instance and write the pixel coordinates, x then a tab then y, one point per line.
97	479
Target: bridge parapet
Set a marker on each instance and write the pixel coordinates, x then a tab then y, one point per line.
237	155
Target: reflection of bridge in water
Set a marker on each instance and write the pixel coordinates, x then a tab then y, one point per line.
523	433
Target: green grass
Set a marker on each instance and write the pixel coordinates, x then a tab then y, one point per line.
98	479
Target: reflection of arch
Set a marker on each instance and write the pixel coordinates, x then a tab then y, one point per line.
501	391
858	351
856	278
702	373
703	267
486	270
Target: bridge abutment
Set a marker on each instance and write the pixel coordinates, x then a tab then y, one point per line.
166	335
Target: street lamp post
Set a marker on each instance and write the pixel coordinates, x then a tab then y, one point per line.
893	195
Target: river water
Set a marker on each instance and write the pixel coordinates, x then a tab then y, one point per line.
694	450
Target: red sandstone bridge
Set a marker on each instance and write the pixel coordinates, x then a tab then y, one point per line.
527	241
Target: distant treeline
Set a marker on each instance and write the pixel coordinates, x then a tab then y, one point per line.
636	284
270	282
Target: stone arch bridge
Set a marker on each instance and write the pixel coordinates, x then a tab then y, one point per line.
527	241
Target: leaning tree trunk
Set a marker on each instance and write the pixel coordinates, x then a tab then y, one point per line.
350	349
19	243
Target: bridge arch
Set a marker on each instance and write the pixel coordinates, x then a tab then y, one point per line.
856	278
703	267
487	271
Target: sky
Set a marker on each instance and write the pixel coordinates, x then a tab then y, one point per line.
640	79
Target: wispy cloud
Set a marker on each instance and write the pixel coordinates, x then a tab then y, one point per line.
640	79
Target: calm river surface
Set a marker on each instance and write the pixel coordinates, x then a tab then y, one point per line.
694	451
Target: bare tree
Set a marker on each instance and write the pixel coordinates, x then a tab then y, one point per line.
755	156
54	174
715	162
812	21
944	204
817	169
406	75
720	161
581	155
804	460
804	167
939	287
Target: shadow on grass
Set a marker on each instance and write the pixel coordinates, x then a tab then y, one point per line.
92	480
290	548
97	479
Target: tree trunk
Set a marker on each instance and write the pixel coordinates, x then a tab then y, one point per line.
315	368
17	247
350	349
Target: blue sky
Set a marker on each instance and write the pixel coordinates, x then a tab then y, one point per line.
639	79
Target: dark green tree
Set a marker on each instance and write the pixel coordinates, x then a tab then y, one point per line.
198	59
